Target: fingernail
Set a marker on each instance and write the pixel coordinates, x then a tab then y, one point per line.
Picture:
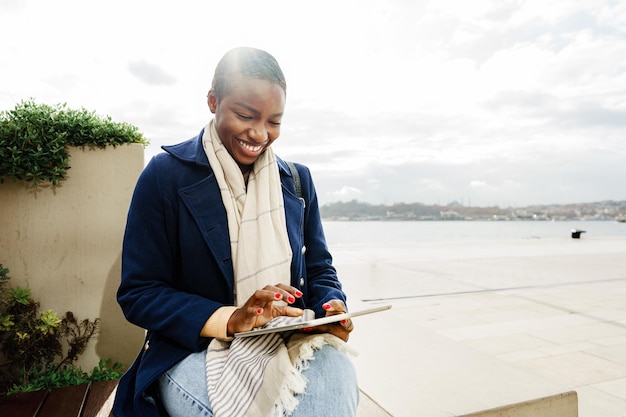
277	296
259	311
307	329
326	306
298	293
344	322
291	299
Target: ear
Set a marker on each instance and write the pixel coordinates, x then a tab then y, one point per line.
212	101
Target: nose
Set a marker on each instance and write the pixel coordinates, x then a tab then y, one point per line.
258	133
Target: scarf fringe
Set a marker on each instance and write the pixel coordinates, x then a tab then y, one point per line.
287	402
301	350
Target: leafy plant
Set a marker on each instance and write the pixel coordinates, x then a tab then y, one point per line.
34	139
20	295
104	373
42	377
32	343
77	333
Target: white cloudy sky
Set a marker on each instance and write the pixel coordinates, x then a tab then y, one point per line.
511	102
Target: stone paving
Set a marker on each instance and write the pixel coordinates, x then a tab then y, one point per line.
477	325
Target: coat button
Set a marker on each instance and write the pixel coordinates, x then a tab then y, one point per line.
146	346
301	282
303	250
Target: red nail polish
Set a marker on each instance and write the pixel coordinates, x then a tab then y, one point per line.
326	306
298	293
344	322
259	311
308	329
291	299
277	296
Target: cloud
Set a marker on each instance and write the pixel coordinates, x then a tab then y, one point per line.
150	74
566	177
477	184
400	102
430	184
346	193
11	5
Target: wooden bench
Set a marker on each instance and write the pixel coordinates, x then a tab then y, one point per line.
96	400
93	400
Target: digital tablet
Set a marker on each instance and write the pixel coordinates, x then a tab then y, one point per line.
307	320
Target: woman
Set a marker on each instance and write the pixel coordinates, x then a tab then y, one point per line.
218	242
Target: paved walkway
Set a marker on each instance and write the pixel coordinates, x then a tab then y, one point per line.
478	325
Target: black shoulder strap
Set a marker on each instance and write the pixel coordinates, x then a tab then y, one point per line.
296	182
296	178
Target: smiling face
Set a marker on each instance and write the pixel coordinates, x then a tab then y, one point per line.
248	117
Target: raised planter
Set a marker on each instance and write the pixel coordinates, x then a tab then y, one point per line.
64	243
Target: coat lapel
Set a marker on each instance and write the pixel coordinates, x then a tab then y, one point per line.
204	202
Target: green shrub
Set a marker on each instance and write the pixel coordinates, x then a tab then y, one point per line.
42	377
32	342
34	139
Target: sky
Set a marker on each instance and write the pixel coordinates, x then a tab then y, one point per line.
510	103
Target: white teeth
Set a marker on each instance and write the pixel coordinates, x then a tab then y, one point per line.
249	147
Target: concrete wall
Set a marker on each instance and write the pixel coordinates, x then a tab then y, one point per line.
65	243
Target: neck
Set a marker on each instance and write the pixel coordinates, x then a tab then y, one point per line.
245	169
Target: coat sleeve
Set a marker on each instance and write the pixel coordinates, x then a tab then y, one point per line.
150	266
322	283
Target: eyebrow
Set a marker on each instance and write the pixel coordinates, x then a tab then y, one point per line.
255	111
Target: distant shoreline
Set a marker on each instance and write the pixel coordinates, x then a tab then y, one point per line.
359	219
359	211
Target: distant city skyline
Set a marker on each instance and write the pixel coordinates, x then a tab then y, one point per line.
511	103
355	210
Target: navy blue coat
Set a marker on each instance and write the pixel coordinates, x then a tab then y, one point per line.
177	268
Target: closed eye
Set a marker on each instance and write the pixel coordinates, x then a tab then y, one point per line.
243	116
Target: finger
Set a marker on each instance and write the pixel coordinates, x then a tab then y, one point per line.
291	290
246	318
283	292
268	294
347	324
252	314
334	307
333	329
290	293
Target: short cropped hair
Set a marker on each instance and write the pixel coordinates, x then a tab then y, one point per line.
248	62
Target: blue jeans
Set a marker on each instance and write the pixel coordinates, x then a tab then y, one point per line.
184	389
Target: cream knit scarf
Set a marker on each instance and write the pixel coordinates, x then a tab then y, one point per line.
255	376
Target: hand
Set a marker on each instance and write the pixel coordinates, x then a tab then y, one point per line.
340	329
260	308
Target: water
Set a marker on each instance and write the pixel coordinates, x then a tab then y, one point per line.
342	233
396	260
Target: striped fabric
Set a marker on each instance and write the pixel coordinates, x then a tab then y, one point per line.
260	376
236	371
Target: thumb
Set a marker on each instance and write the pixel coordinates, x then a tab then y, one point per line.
287	311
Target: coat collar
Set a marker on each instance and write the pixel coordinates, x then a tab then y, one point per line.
192	151
189	151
